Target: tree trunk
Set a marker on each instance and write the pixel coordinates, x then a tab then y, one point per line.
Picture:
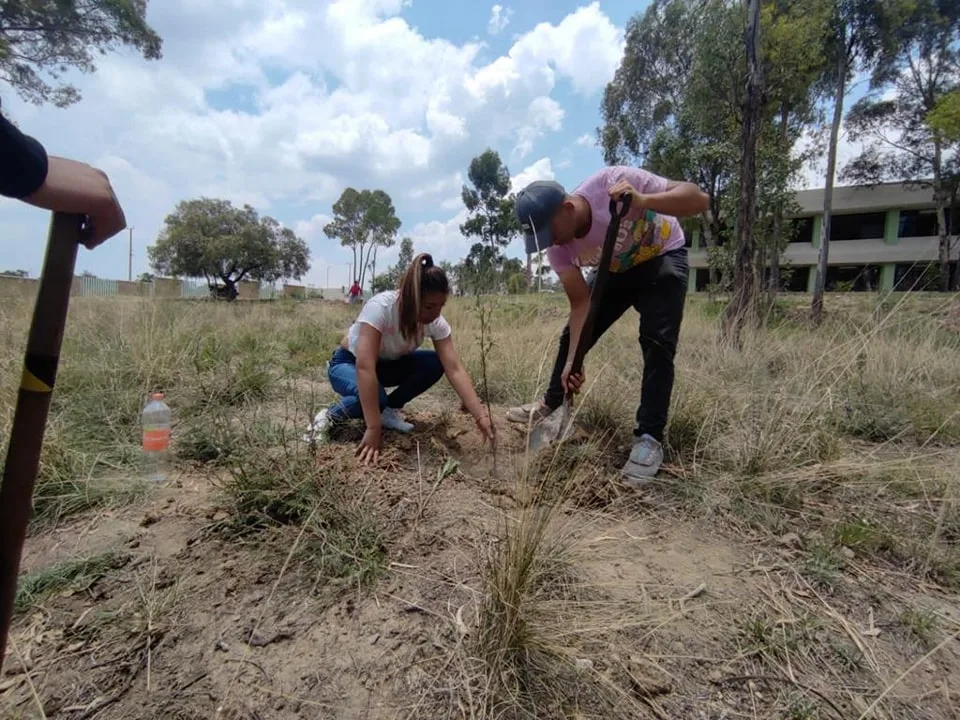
773	285
816	307
742	303
777	239
367	244
939	197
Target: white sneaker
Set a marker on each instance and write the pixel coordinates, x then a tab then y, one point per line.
319	429
393	419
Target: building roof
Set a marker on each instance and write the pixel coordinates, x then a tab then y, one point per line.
868	198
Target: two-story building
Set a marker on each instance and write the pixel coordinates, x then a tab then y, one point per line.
882	237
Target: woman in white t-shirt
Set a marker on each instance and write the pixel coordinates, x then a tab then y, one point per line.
380	350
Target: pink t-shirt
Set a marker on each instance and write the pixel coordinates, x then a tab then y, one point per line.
640	237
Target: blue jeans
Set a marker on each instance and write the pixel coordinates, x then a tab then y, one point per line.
411	375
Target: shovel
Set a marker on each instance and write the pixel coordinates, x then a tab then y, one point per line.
33	402
558	424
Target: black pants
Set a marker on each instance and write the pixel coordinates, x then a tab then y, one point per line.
657	290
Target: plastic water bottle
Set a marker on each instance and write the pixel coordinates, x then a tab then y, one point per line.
155	420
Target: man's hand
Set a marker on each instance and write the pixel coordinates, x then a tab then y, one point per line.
369	450
75	187
679	199
572	382
622	187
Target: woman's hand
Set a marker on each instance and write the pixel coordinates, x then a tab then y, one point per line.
486	428
368	451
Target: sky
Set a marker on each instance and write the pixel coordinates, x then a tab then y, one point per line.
284	103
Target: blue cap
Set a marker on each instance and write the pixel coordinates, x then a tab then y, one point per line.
535	206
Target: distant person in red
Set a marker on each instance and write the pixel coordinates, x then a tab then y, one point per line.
355	291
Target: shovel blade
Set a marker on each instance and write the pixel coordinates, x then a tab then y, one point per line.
551	429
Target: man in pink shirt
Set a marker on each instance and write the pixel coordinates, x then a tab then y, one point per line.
648	272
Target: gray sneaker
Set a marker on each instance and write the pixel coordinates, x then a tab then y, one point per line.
644	462
532	412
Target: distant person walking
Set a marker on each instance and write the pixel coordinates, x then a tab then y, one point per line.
380	350
355	292
648	272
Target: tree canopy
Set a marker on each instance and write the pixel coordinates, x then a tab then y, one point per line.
41	40
676	106
920	62
492	220
212	239
362	221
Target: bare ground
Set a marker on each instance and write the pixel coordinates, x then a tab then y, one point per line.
682	618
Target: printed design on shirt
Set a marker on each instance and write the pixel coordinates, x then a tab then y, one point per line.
636	243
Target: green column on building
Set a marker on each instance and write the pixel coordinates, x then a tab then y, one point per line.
692	272
891	236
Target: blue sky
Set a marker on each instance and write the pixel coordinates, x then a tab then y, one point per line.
283	103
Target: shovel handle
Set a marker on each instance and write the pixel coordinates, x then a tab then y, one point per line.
599	284
33	403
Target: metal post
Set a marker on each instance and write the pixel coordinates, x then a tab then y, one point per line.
130	258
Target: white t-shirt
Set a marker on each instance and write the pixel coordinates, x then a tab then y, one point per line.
382	311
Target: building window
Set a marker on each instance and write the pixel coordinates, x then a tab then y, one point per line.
792	279
862	226
919	223
917	276
703	279
852	278
795	279
800	230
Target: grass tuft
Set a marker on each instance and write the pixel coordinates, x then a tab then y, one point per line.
77	575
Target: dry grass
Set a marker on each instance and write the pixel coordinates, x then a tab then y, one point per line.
835	450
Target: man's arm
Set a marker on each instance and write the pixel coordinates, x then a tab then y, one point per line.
667	197
23	162
578	293
27	173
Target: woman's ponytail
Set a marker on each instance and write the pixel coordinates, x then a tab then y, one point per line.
420	278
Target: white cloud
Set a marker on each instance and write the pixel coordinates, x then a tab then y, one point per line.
443	238
283	103
587	140
585	47
813	174
499	19
543	115
542	169
312	230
